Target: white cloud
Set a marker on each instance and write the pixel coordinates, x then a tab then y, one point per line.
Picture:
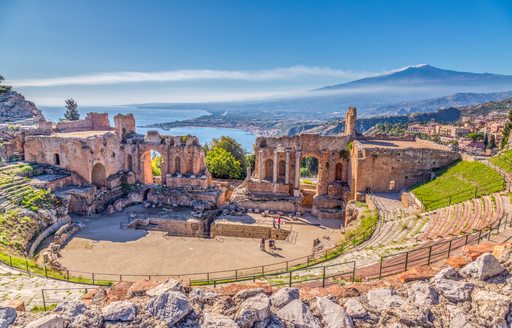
287	73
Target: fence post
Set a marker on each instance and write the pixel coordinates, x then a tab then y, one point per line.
214	283
10	260
286	265
45	272
208	277
326	255
466	241
44	301
489	233
449	248
406	260
498	228
236	275
380	269
429	255
290	279
323	276
354	271
479	236
67	274
93	278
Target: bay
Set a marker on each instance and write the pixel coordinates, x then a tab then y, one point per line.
147	116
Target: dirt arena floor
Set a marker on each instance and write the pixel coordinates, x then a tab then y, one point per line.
103	247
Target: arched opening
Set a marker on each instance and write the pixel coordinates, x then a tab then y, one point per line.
177	165
145	195
56	159
152	167
129	162
99	175
281	170
309	180
269	170
339	172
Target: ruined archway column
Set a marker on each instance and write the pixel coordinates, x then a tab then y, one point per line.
260	165
287	170
274	175
296	184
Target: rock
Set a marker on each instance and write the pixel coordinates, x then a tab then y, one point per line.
246	293
503	253
49	321
120	311
79	315
416	273
140	287
168	285
119	291
458	318
447	273
383	298
253	310
491	307
333	315
171	307
474	251
7	316
454	291
213	320
354	308
18	305
457	261
485	267
297	314
203	296
421	293
283	296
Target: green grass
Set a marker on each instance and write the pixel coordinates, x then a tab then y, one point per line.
40	308
364	229
503	160
458	183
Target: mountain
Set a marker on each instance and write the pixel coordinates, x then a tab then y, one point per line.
424	76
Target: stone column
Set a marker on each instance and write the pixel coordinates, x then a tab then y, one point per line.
287	169
274	175
260	165
296	185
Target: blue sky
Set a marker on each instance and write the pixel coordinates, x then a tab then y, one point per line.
222	50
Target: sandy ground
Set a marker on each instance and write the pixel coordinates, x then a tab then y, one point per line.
103	247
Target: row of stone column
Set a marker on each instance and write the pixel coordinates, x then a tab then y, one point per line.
298	156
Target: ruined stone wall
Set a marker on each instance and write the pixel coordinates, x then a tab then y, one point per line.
92	122
392	169
227	229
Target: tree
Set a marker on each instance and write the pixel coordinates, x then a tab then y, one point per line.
475	136
486	141
156	164
222	164
492	142
506	131
71	113
3	88
231	146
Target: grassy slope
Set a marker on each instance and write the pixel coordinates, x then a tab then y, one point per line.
503	160
460	182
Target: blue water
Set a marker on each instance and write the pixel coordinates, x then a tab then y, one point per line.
146	116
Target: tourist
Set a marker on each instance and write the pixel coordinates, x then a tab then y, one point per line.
274	222
278	223
262	244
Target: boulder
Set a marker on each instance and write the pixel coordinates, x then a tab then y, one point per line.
203	296
247	293
120	311
333	315
503	253
253	310
170	306
168	285
416	273
422	293
454	291
447	273
79	315
297	314
7	316
485	267
474	251
140	287
382	298
49	321
354	308
284	296
457	261
458	318
213	320
18	305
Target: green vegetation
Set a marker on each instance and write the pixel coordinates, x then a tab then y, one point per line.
365	228
307	182
227	151
71	113
390	129
156	164
457	183
16	230
309	167
506	131
476	136
222	164
3	88
40	308
503	160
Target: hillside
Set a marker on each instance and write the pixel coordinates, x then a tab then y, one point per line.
14	107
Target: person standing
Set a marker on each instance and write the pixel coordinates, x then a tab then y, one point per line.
279	223
262	244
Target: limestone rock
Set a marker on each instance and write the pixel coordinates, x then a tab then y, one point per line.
79	315
447	273
421	293
283	296
212	320
297	314
454	291
7	316
169	285
354	308
333	315
383	298
171	307
253	310
485	267
49	321
503	253
14	107
459	318
246	293
120	311
140	287
203	296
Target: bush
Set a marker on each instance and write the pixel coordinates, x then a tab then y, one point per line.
222	164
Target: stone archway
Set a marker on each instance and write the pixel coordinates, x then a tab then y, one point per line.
149	176
282	170
99	175
129	162
339	172
269	170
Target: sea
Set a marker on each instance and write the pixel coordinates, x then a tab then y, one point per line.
147	116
